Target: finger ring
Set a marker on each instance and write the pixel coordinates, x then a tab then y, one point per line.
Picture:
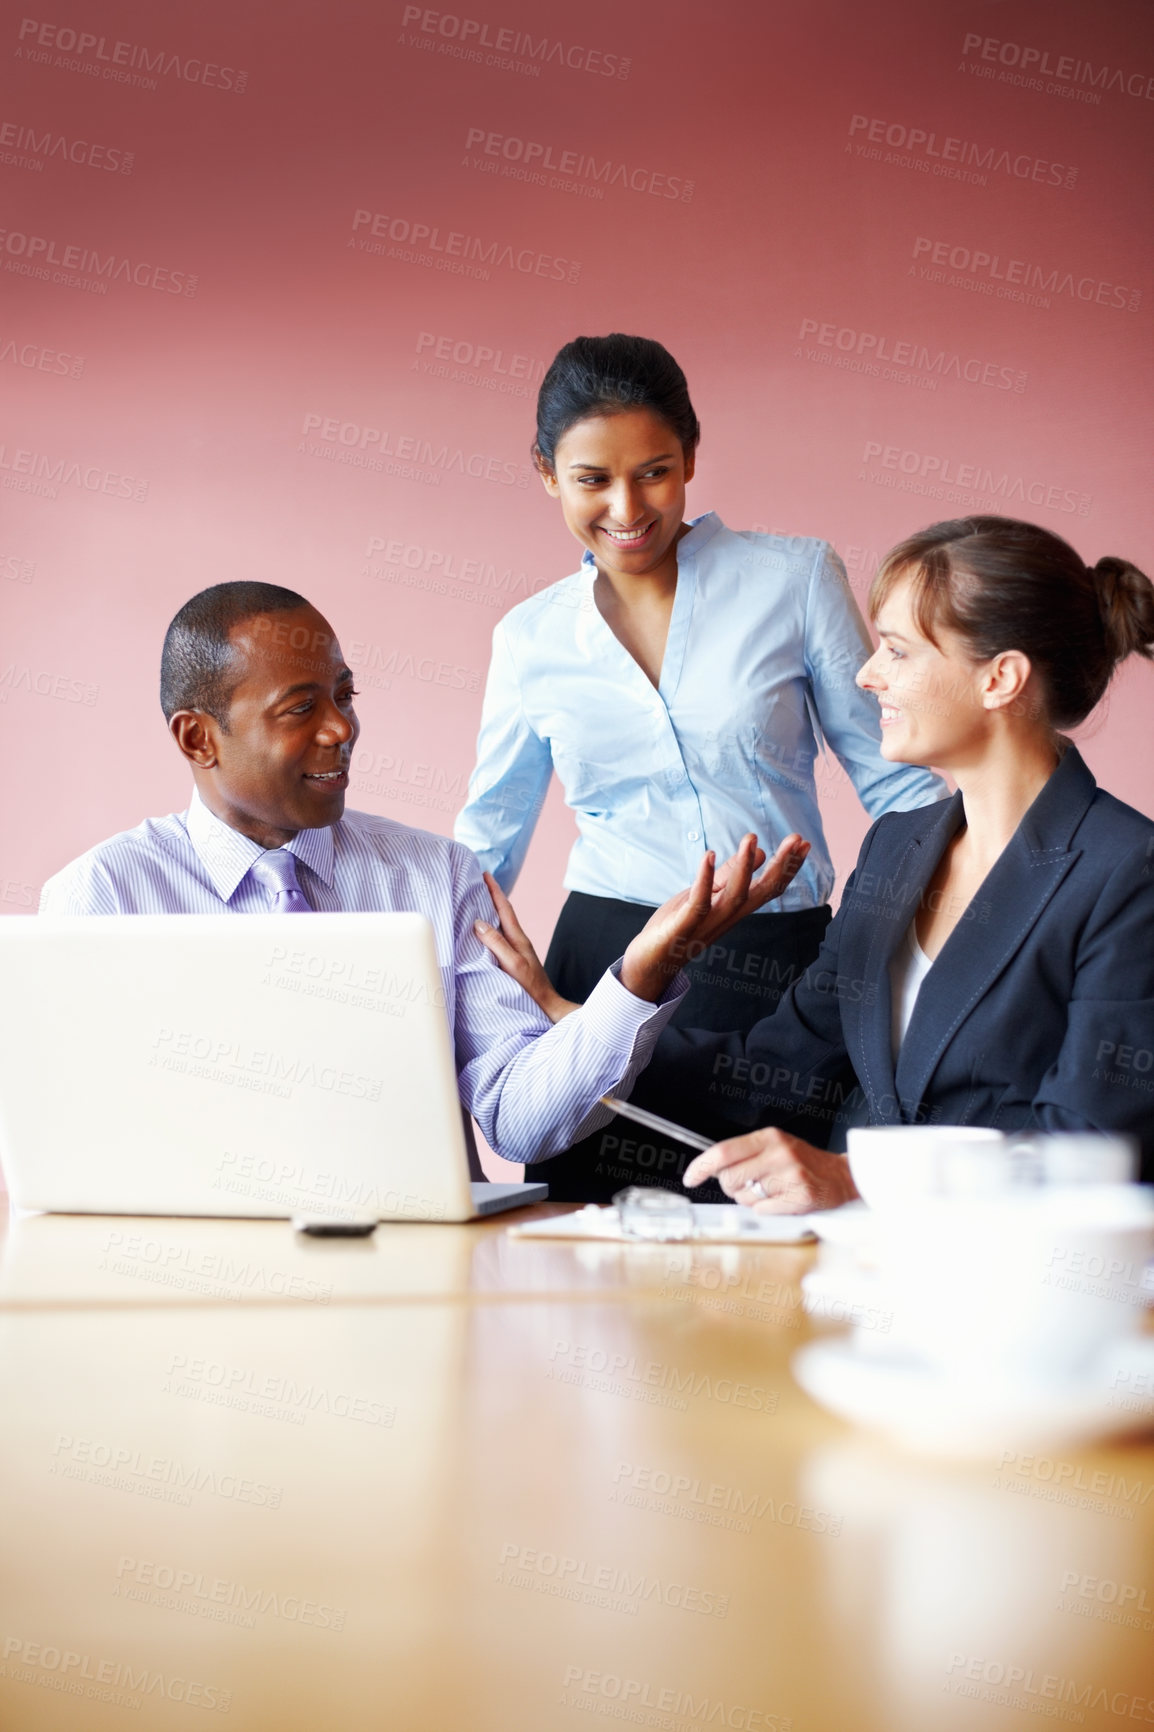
757	1186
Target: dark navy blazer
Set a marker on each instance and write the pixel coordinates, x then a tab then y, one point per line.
1037	1013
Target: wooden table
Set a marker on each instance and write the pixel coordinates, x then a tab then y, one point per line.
445	1480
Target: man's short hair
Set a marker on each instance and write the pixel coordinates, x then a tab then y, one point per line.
197	665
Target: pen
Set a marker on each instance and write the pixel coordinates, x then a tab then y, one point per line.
652	1122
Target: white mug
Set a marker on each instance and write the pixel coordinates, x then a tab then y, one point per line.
891	1165
1025	1285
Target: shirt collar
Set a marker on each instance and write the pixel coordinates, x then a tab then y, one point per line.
316	849
227	856
706	524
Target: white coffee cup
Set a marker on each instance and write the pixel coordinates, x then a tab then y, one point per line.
893	1165
1025	1285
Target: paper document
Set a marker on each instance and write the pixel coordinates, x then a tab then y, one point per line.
714	1224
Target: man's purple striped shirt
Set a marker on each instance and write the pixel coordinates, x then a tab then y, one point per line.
533	1088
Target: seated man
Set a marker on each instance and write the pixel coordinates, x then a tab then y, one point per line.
259	700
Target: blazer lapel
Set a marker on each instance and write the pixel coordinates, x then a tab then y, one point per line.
1007	905
885	901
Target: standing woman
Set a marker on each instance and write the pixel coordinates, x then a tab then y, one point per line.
680	683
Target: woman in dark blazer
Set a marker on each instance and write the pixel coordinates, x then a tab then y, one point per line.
992	961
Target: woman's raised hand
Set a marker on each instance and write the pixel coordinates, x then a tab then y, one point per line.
678	931
513	948
693	919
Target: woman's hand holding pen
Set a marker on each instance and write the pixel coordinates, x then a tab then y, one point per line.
774	1173
677	932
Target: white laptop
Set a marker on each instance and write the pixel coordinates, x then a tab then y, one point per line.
211	1065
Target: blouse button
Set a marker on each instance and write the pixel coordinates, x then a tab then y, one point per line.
695	835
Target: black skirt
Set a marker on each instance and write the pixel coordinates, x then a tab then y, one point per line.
734	983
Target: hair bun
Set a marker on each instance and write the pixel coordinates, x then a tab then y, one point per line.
1126	604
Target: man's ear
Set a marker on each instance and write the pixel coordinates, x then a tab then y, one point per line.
195	732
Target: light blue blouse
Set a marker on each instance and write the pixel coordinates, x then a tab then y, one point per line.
764	642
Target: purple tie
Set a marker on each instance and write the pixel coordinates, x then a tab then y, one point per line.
276	873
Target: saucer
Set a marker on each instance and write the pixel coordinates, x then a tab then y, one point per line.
839	1290
849	1226
889	1389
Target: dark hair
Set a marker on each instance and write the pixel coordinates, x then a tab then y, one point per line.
605	375
197	669
1000	585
